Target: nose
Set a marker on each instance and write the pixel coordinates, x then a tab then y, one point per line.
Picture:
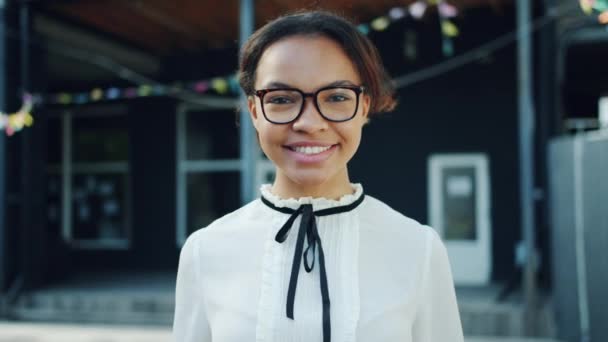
310	120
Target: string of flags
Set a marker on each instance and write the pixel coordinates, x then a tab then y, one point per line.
219	85
417	10
229	85
15	122
596	6
12	123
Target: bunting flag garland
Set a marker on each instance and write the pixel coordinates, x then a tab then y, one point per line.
448	29
219	85
15	122
229	85
603	17
596	6
417	10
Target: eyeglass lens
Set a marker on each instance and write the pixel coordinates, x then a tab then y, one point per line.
336	104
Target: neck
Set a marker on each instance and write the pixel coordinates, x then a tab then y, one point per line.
333	188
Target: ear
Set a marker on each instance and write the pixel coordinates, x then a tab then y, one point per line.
366	101
251	107
252	110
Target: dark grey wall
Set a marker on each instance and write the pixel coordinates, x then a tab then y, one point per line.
471	109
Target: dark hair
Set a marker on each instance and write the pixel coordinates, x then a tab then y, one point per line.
357	46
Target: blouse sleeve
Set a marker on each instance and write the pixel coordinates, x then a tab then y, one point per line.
437	318
190	321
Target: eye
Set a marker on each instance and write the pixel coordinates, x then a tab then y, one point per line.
280	98
338	98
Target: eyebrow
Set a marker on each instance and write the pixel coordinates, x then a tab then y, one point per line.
276	84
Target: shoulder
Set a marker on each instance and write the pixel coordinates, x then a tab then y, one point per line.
226	225
401	243
384	218
236	218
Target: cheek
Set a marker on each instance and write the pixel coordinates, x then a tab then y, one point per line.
269	137
353	136
356	142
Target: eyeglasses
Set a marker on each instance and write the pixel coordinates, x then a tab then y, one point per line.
285	105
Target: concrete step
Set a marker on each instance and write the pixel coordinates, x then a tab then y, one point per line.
506	339
148	299
483	315
84	307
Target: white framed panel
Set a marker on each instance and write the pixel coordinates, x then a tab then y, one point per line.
191	167
96	214
459	209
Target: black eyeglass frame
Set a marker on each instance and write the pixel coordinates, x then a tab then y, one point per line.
262	92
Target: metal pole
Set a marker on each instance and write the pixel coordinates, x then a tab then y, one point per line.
26	151
249	151
3	243
526	163
24	22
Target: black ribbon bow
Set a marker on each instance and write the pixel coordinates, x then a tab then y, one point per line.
308	229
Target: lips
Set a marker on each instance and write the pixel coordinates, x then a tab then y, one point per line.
310	152
309	149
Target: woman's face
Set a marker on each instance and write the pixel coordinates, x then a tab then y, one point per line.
310	153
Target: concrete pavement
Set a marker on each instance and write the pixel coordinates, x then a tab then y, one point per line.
35	332
26	332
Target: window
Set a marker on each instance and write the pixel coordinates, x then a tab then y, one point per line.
88	182
208	168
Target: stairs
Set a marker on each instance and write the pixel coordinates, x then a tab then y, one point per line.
144	298
148	299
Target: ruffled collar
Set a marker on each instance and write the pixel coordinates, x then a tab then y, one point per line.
318	203
309	208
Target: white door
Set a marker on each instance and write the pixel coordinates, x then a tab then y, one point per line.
459	209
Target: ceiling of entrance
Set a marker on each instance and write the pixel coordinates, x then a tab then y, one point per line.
165	26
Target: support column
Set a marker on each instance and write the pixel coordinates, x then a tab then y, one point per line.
526	160
249	149
27	167
3	157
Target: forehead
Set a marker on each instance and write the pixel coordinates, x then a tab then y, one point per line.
305	62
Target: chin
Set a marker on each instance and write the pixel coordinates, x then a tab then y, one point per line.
309	179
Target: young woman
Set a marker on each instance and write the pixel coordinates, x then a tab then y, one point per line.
314	259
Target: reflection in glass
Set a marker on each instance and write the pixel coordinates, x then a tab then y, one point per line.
210	196
458	187
100	139
211	135
54	207
99	206
54	138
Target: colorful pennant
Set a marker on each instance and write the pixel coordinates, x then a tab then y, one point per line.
596	6
220	85
15	122
229	85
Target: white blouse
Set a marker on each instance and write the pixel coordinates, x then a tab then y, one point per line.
388	277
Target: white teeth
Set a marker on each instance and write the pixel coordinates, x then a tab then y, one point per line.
311	149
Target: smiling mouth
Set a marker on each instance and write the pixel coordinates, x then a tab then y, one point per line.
310	150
